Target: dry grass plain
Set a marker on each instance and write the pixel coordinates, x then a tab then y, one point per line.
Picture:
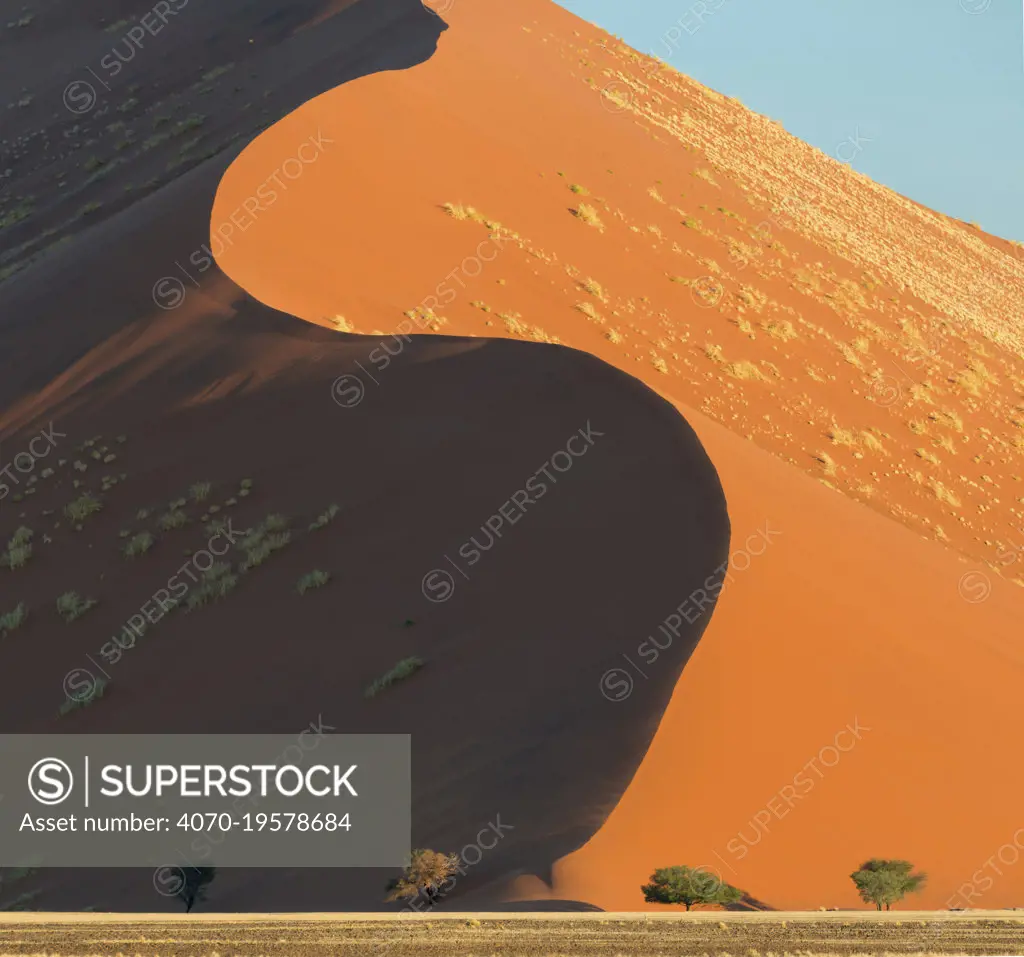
549	934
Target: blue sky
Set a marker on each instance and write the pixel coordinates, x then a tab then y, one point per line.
937	86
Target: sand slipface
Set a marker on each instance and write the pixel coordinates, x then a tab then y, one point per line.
511	787
854	695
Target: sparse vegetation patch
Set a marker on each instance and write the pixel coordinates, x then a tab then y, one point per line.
314	579
71	605
401	671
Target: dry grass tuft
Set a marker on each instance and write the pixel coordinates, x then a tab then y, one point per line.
922	393
460	212
943	494
780	329
744	326
871	442
826	462
840	436
850	355
753	298
949	419
341	323
515	325
470	214
975	379
744	369
587	214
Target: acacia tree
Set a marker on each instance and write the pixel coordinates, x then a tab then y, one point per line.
688	886
194	882
426	872
884	882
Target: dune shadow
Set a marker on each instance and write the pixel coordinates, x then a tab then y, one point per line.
172	226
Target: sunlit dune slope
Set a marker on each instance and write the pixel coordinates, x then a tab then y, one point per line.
850	360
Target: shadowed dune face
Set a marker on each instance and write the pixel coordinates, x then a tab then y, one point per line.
601	202
114	119
561	506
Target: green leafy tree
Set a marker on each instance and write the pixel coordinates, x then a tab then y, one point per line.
194	884
426	872
688	886
882	882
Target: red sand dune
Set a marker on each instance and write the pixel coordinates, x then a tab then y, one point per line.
899	360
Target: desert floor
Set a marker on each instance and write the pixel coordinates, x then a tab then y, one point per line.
710	932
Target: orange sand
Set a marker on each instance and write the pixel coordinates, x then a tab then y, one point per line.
854	613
